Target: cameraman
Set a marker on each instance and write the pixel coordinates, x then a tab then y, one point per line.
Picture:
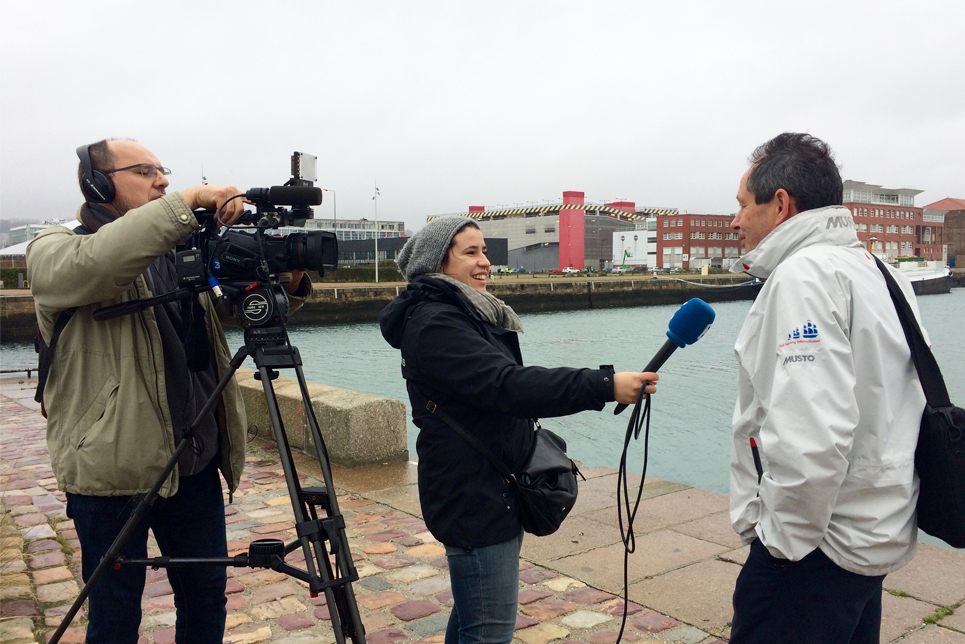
122	392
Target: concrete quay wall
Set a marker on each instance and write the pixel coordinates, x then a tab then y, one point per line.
557	295
18	321
364	303
332	304
358	428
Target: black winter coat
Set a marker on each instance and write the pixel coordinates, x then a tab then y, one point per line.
474	371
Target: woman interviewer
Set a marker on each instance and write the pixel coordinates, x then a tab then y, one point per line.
460	350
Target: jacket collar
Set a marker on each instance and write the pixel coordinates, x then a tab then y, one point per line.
94	216
831	225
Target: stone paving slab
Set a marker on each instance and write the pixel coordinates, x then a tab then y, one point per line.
657	553
682	573
715	528
699	594
956	620
668	510
934	635
935	575
578	534
404	498
600	491
901	615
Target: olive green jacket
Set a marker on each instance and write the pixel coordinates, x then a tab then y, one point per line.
109	429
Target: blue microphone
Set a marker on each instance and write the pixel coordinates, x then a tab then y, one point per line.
688	324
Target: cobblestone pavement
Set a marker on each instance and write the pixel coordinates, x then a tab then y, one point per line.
568	583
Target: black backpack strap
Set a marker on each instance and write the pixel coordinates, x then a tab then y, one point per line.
46	351
932	382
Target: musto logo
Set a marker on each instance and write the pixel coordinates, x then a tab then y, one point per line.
256	308
790	359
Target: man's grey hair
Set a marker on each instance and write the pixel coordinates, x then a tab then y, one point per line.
801	164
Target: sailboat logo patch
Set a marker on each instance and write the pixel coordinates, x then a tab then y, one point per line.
806	334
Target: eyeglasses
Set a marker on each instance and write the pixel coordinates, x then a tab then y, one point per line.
145	169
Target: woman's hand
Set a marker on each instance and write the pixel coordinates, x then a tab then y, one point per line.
626	385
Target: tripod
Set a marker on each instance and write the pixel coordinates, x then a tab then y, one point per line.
271	349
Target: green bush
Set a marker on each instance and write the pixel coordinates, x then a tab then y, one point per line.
9	276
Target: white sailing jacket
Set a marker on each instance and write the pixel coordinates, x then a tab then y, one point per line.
828	391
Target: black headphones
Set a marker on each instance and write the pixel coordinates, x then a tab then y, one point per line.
97	186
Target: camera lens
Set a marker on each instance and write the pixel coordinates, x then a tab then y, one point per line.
314	250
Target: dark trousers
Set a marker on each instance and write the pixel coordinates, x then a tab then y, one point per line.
189	524
807	601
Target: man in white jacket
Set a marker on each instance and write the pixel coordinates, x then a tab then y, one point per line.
830	401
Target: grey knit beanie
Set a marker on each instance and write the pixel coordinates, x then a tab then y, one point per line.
426	250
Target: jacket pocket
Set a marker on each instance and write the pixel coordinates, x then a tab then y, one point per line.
106	397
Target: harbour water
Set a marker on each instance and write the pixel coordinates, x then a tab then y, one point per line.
690	428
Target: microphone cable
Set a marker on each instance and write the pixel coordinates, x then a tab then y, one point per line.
640	418
719	287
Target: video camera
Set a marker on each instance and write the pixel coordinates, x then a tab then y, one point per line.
241	264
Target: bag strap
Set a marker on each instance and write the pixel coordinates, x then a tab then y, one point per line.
43	369
47	357
930	376
433	408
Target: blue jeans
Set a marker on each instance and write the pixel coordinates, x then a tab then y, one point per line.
189	524
799	602
485	593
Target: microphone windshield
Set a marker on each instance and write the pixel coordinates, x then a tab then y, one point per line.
286	195
690	322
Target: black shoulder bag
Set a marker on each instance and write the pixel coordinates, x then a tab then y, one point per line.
940	454
545	489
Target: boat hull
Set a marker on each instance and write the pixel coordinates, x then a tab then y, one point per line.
932	286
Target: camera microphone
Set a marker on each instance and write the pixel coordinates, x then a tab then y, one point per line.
688	324
286	195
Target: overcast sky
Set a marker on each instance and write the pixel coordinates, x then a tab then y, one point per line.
452	104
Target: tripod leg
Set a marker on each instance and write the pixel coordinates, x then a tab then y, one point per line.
298	507
345	595
138	514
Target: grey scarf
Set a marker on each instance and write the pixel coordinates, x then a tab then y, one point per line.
490	308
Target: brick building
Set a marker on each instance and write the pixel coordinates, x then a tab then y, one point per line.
953	213
694	241
890	224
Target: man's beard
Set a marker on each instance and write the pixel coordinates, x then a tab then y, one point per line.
122	206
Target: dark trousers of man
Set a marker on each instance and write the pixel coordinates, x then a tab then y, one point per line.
189	524
812	600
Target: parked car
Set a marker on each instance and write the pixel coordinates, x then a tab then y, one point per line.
569	270
619	270
517	270
554	271
639	269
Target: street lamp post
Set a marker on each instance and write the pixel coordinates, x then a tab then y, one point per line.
334	211
334	204
375	200
334	217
